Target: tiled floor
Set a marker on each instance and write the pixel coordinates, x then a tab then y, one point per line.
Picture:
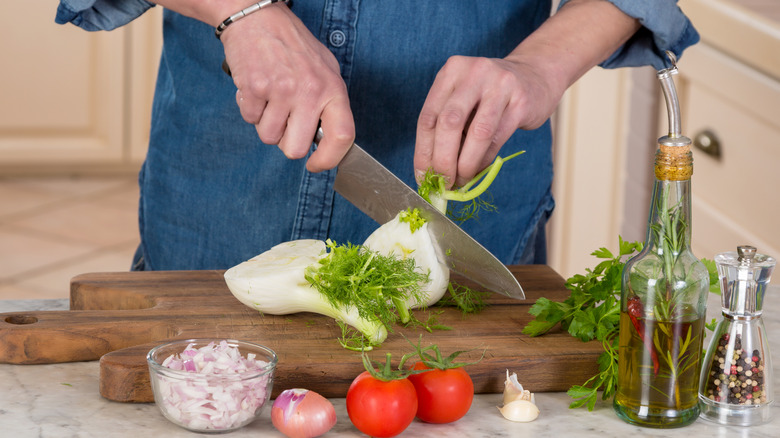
52	229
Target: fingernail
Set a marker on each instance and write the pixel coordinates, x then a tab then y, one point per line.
419	175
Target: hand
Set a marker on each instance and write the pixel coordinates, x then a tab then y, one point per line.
473	107
288	82
475	104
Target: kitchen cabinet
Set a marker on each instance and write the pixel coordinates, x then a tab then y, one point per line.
604	141
730	95
74	101
607	126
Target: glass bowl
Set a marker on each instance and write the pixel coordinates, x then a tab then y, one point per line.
201	394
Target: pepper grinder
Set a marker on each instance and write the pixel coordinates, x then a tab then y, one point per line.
735	387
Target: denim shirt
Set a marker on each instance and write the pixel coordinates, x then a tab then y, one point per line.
212	195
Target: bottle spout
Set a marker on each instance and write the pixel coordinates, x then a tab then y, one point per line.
665	76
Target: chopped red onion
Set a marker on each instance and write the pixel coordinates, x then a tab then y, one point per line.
215	396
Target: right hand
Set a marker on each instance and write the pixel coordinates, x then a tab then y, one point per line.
288	82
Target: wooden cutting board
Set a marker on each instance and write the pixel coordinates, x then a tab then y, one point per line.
118	317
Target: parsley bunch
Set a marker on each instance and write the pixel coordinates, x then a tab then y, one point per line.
592	312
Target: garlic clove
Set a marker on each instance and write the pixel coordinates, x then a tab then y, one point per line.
513	390
521	411
519	403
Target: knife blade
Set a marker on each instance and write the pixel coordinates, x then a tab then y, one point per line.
377	192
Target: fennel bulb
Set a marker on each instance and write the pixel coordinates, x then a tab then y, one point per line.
274	282
405	236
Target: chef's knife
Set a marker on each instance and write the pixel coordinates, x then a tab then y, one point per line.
368	185
373	189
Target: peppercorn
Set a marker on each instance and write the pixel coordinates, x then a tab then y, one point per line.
735	378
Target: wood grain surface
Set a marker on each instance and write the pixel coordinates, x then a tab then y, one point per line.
118	317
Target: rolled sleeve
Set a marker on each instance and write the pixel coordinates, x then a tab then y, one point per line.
664	27
93	15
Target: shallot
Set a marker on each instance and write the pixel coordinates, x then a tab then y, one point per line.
214	393
300	413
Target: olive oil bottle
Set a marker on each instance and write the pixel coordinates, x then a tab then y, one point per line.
663	295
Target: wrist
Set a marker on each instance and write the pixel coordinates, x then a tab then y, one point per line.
216	11
211	12
552	73
243	13
575	39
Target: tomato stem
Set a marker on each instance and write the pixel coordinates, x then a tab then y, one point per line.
436	360
385	371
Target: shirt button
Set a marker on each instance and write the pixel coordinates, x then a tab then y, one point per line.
337	38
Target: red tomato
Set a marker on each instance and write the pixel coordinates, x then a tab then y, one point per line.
443	396
381	409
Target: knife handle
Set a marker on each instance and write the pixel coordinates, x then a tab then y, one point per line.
319	134
226	68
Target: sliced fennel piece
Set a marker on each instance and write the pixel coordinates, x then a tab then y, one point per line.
433	188
274	283
396	238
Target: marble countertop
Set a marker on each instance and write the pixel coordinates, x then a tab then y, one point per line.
62	400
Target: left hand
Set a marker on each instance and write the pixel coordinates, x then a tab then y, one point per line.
473	107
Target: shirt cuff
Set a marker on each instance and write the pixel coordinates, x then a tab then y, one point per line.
93	15
664	27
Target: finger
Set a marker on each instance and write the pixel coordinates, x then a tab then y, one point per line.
338	128
298	137
481	143
273	124
506	128
449	132
252	94
438	95
251	108
426	134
